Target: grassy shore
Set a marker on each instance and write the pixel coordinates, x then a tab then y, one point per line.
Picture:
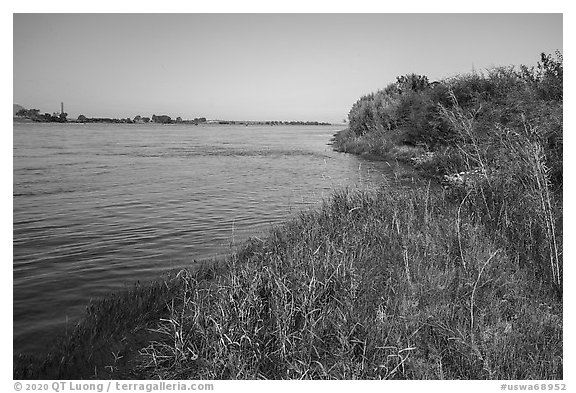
395	284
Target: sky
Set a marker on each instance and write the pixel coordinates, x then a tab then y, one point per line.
254	66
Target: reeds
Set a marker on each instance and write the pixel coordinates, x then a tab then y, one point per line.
512	189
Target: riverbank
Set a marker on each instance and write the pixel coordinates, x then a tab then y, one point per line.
396	284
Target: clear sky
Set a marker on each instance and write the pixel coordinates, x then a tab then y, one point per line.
254	66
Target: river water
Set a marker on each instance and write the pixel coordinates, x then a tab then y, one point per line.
97	207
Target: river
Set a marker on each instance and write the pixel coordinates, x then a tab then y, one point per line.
97	207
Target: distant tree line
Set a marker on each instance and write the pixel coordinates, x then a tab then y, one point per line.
161	119
84	119
35	115
275	123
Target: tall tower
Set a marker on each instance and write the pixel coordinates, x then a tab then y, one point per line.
61	107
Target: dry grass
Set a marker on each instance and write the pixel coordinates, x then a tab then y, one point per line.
369	286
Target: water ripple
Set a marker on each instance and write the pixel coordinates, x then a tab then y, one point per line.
97	207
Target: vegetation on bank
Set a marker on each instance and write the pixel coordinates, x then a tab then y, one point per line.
396	284
23	114
464	122
457	282
496	140
35	115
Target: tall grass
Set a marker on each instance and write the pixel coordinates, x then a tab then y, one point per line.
511	191
375	145
372	285
497	138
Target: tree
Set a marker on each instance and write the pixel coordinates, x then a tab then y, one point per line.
28	113
82	118
162	119
412	82
546	80
551	75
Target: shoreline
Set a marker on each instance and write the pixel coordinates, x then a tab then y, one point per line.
314	286
271	123
208	267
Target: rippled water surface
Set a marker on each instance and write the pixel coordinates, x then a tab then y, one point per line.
97	207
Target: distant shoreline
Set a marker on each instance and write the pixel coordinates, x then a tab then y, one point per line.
209	122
